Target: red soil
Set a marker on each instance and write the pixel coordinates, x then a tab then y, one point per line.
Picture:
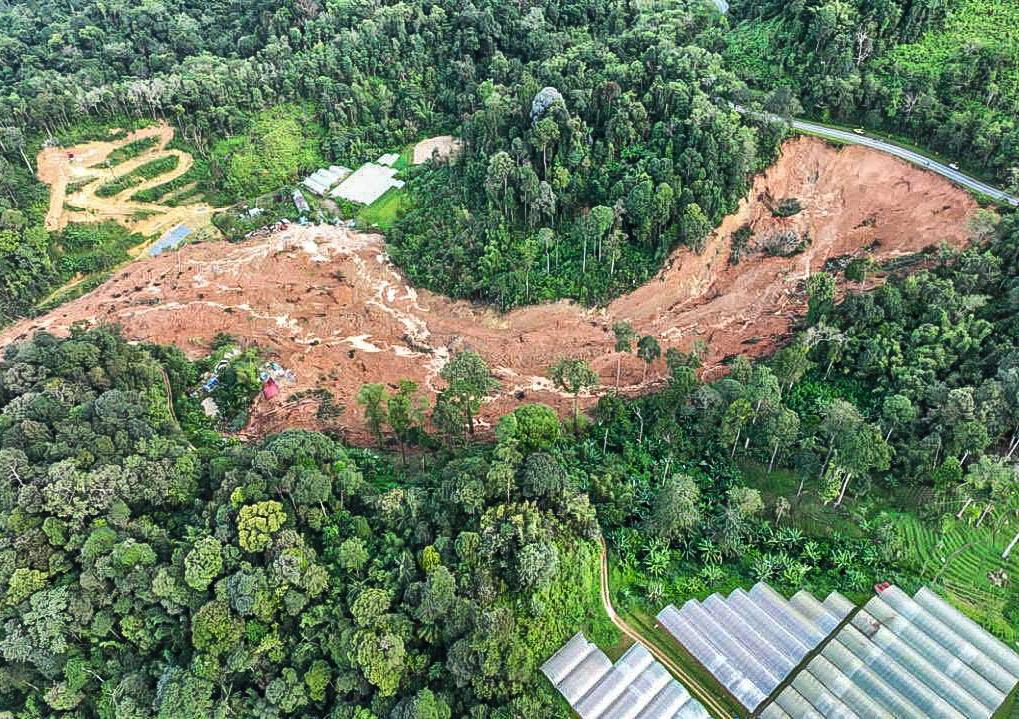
328	304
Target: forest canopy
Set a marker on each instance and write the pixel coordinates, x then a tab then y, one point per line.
943	73
639	151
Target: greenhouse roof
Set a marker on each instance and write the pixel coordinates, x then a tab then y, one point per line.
751	641
635	687
907	657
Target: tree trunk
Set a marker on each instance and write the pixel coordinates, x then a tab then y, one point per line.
1013	443
969	501
619	362
824	467
1011	546
733	452
842	492
774	454
987	510
951	558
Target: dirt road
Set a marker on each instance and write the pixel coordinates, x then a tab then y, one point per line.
696	689
74	174
329	304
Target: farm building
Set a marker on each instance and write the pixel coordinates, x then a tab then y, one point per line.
389	159
367	184
636	687
300	203
321	181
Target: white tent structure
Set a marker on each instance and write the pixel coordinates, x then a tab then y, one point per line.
635	687
367	184
321	181
751	641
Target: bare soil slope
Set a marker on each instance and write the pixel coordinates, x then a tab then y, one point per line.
328	304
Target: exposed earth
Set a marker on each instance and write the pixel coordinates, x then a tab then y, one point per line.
327	303
75	173
440	147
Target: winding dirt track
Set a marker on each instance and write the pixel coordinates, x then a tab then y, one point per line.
78	169
328	304
699	691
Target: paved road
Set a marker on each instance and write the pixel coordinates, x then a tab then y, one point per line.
909	156
892	149
705	697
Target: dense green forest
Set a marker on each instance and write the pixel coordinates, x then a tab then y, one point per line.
575	191
151	564
142	575
944	73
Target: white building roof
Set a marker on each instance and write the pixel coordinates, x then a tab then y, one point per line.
367	184
321	180
636	686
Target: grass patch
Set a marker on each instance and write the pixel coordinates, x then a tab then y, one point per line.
129	151
952	556
961	558
645	623
86	249
385	210
277	146
151	169
406	158
76	185
157	167
175	191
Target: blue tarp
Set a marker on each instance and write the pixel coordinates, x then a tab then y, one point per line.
170	240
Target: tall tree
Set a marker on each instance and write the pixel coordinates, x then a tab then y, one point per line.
625	335
648	350
373	397
468	380
574	376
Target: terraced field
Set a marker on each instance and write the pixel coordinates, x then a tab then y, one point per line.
962	558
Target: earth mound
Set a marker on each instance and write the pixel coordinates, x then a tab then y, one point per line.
328	304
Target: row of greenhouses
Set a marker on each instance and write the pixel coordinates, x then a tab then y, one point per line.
897	657
635	687
751	641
